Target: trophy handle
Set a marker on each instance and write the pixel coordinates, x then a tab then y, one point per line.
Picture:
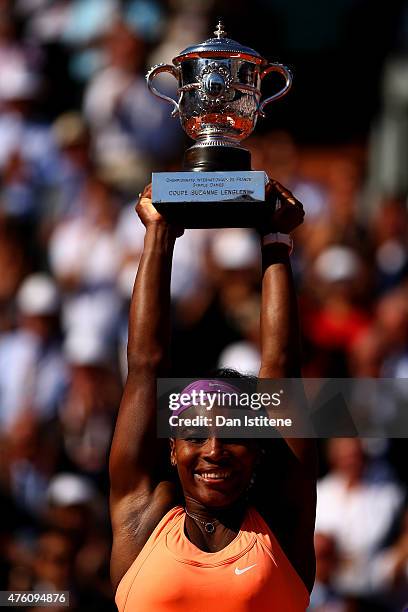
152	74
288	77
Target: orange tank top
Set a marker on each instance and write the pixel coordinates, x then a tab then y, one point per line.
251	574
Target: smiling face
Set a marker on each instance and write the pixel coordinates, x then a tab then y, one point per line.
214	472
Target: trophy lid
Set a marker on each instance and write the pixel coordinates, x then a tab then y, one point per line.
219	46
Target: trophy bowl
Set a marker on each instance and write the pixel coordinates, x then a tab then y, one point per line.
219	89
219	101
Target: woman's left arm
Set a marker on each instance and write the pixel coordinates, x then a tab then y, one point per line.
280	358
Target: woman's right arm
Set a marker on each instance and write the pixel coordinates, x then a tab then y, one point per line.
135	447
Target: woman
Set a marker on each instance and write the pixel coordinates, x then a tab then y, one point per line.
214	550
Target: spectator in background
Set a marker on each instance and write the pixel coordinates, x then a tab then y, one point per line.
87	252
55	568
53	562
392	321
71	500
276	154
390	238
234	267
344	187
389	569
367	353
33	374
129	126
324	597
229	287
74	165
334	312
87	413
70	551
186	24
28	151
84	250
357	512
14	265
383	349
340	222
76	510
28	461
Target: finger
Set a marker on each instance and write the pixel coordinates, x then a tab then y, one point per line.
146	193
284	193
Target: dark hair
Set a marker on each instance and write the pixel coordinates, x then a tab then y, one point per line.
246	382
230	373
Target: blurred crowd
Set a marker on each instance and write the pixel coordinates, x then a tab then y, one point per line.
79	137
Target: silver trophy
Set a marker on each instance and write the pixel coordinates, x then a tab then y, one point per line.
219	88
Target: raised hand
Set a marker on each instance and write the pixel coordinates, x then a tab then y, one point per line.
288	215
150	216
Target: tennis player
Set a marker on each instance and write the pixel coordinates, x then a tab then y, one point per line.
225	544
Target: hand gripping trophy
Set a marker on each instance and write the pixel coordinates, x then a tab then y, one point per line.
219	88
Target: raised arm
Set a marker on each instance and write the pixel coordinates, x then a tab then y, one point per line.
135	448
280	358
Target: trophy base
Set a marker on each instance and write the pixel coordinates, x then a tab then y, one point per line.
212	199
207	158
217	214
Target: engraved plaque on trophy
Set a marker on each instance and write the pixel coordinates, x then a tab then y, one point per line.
219	89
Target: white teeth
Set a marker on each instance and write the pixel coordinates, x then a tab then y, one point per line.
214	475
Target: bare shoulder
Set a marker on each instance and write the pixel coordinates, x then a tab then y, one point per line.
134	517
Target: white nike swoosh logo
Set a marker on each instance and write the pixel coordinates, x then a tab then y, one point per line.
245	569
